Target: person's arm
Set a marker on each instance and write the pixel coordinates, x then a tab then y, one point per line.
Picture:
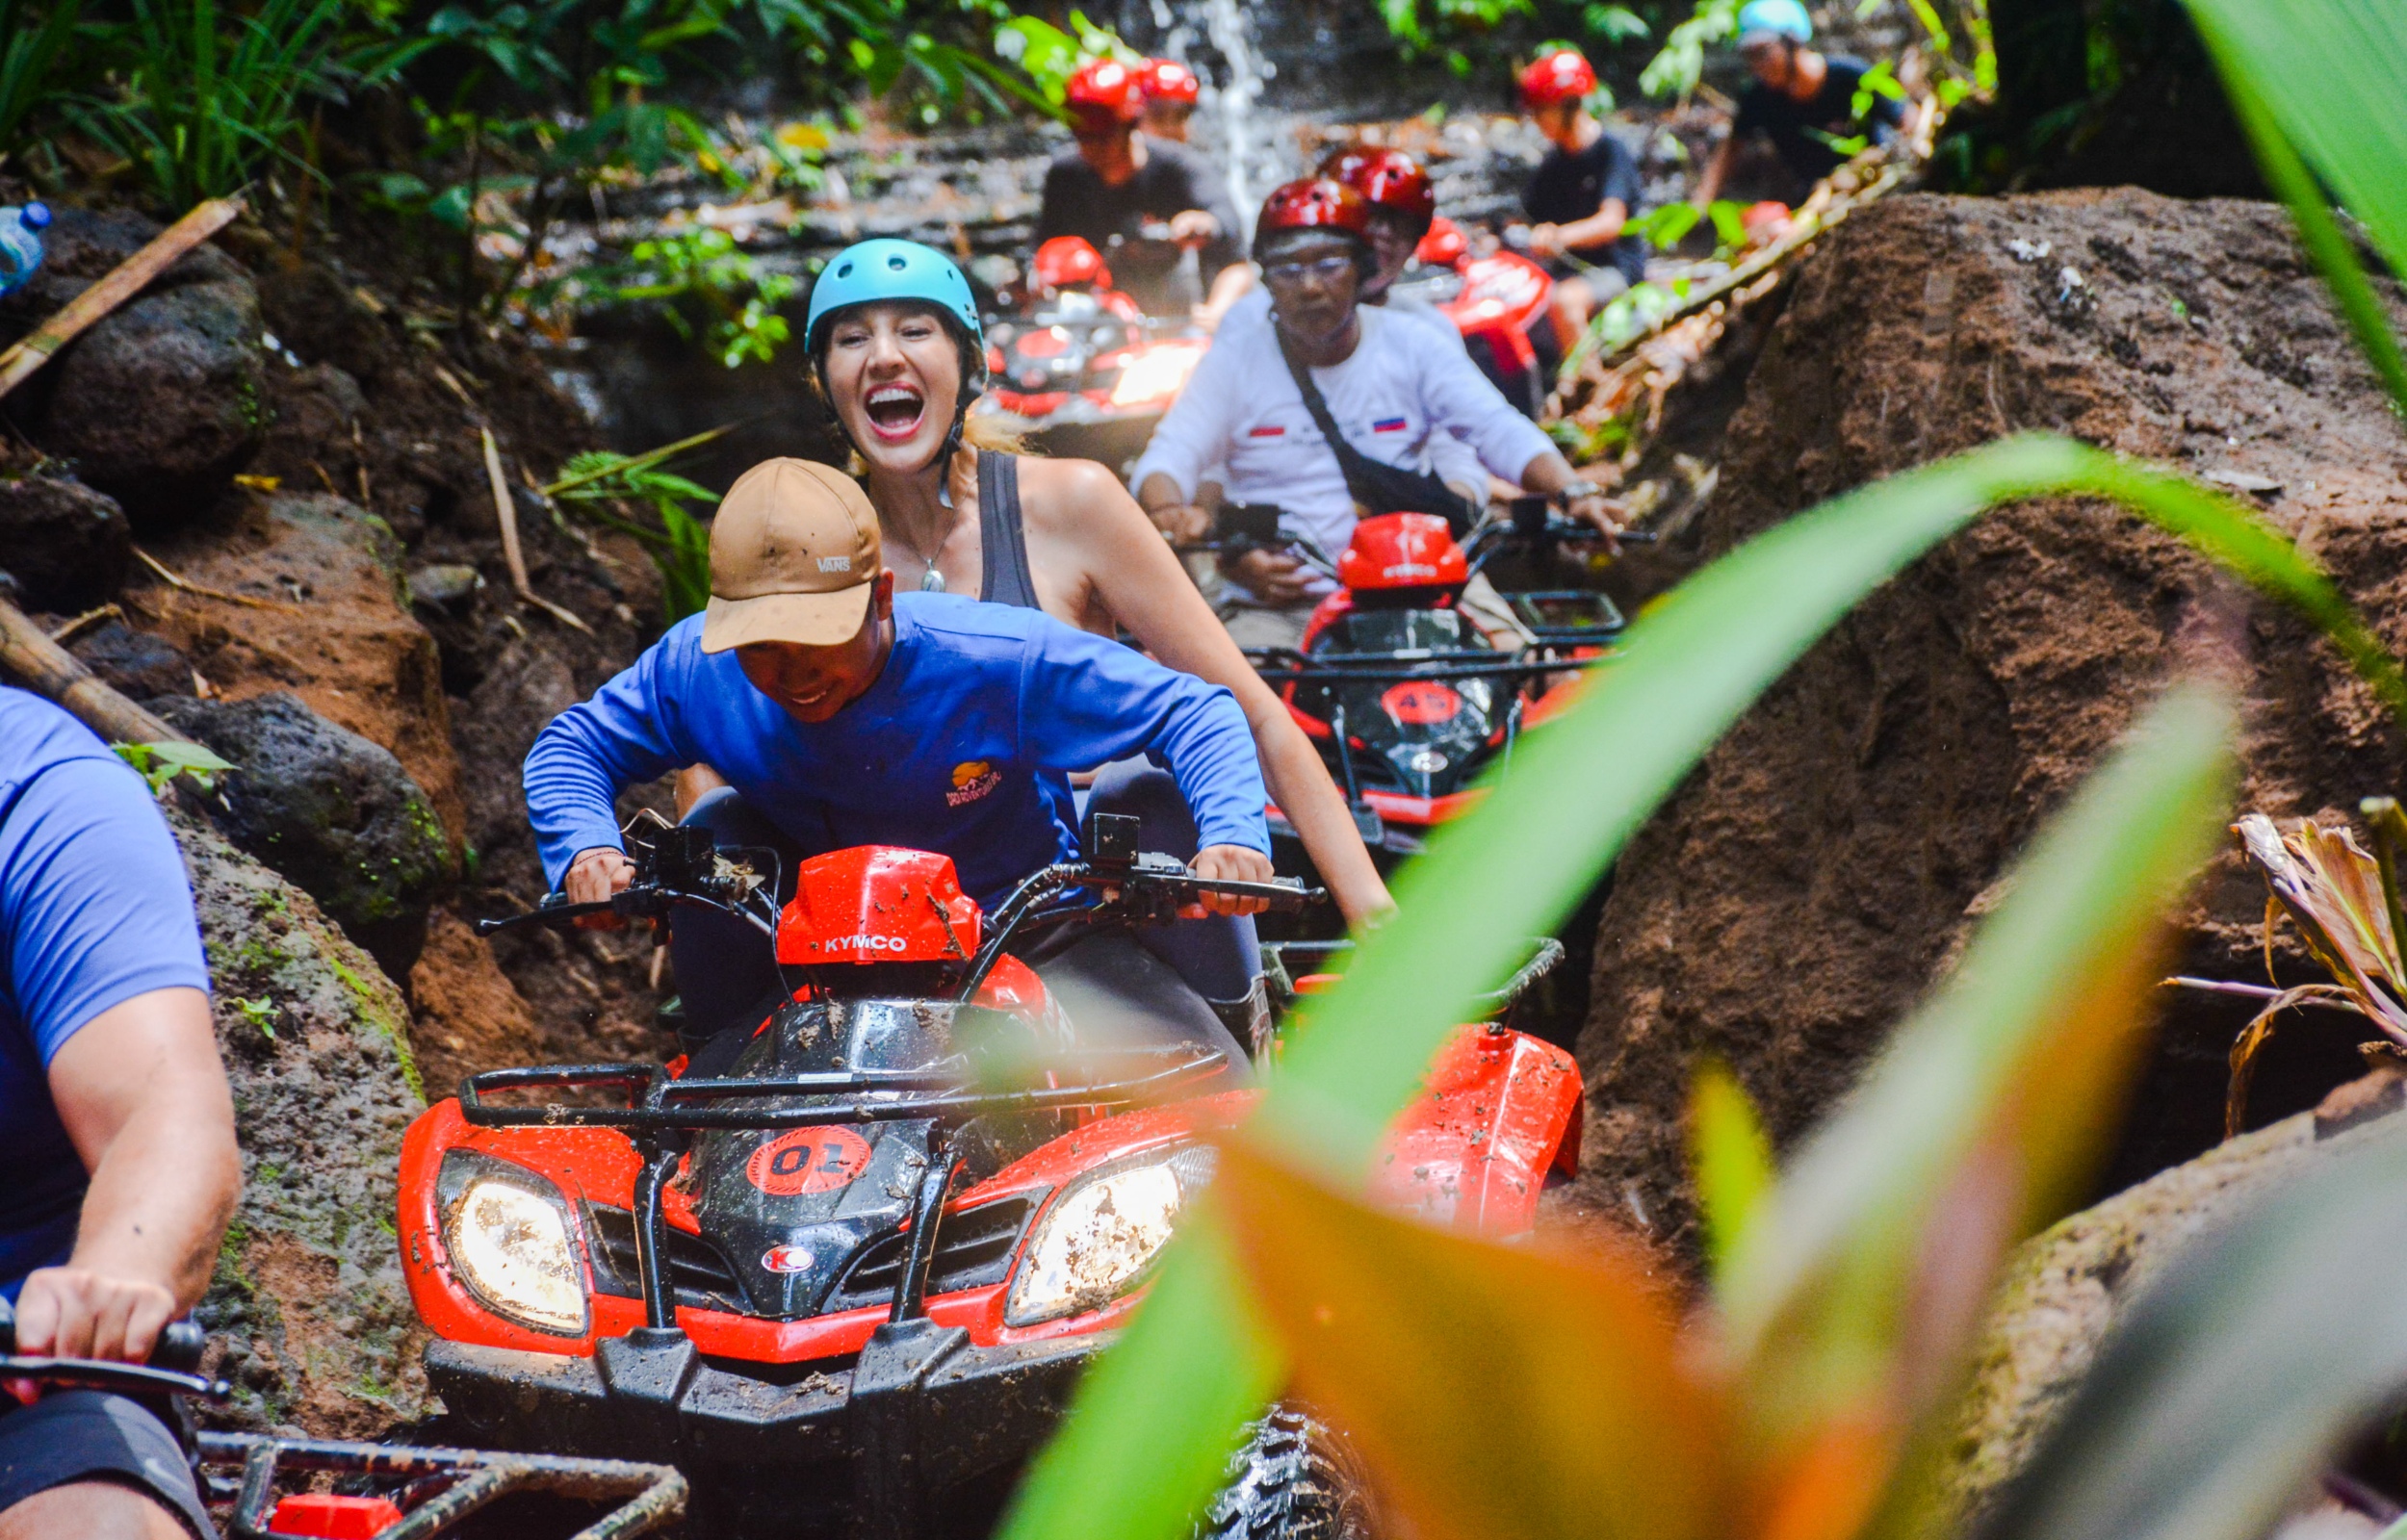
1053	210
1085	700
1148	592
1598	228
143	1095
1463	402
627	732
103	961
1193	436
1234	282
1717	170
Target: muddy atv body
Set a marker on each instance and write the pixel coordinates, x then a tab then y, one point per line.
845	1276
1408	696
1088	375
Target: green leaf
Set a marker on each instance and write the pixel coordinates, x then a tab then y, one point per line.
2333	253
2239	1373
1496	1390
1579	788
1731	1156
2329	74
160	764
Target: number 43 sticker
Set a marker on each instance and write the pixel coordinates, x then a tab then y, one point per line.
808	1160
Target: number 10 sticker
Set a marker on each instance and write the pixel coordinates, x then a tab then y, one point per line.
808	1160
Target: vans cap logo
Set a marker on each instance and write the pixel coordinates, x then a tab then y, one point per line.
835	564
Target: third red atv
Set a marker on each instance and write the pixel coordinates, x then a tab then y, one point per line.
845	1276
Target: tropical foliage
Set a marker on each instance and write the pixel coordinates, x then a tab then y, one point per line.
1500	1391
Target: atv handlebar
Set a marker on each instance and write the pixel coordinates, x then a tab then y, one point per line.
172	1368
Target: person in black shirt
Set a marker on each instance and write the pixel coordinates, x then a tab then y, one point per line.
1802	101
1580	196
1117	182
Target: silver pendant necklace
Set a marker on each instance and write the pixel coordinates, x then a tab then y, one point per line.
932	581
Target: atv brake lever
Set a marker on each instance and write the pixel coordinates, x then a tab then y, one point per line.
123	1379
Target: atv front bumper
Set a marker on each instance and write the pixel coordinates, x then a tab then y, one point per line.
921	1409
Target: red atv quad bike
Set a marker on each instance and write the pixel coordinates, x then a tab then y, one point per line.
1082	369
1408	700
381	1491
1497	301
845	1269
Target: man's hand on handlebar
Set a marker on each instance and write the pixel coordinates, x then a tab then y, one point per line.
595	877
1273	576
1193	227
1229	864
75	1312
1185	523
1588	505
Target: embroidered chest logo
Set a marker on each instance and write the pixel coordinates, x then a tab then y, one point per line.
973	778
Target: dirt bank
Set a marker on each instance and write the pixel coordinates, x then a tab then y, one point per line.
1797	896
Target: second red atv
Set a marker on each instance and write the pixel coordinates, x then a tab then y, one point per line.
845	1274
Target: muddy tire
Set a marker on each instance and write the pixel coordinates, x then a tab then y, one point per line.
1292	1478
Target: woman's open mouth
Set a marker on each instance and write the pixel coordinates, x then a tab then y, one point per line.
894	411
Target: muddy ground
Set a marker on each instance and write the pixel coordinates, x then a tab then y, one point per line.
1800	892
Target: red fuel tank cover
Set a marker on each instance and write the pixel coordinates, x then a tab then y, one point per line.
880	904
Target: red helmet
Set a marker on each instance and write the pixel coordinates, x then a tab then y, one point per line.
1165	80
1561	76
1443	245
1068	259
1402	551
1105	91
1313	203
1388	179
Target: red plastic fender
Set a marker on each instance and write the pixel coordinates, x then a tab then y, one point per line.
1499	1110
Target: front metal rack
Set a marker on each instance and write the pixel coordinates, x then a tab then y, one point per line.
444	1485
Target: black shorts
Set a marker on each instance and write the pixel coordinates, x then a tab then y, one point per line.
90	1435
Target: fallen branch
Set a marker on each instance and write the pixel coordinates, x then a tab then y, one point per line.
639	462
183	586
53	672
505	509
122	283
85	621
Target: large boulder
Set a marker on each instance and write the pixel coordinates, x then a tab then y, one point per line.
327	808
327	618
1790	904
308	1301
159	403
67	545
2065	1289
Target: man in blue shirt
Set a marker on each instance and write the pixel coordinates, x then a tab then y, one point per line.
844	715
116	1131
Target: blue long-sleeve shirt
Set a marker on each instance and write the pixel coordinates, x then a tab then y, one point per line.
963	745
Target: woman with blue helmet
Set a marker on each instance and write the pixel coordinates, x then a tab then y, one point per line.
1801	100
897	351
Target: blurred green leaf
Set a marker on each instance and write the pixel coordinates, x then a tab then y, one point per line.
1515	866
2231	1379
2333	255
1494	1390
1731	1156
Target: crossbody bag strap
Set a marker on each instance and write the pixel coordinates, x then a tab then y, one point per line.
1376	485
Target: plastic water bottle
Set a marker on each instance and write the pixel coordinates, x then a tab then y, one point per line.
21	243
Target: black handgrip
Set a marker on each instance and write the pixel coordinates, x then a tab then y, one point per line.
180	1347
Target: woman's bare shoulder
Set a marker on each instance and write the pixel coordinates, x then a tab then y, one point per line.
1065	496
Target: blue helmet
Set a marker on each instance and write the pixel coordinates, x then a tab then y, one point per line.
1785	18
887	268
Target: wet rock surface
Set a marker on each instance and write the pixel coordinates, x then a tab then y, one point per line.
1795	897
67	545
308	1302
136	664
331	811
160	403
2065	1289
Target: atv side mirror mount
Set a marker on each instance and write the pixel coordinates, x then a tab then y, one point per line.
1111	839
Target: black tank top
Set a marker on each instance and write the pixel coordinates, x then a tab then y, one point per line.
1005	579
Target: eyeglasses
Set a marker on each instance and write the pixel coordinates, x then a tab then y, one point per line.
1327	270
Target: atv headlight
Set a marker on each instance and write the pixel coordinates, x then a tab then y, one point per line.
1098	1237
510	1245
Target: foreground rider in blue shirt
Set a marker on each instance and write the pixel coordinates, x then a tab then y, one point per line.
841	714
118	1163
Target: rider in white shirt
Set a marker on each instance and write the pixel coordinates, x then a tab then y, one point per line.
1406	398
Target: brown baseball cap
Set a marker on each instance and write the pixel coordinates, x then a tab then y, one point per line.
794	556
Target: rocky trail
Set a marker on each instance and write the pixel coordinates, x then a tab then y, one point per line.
255	499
